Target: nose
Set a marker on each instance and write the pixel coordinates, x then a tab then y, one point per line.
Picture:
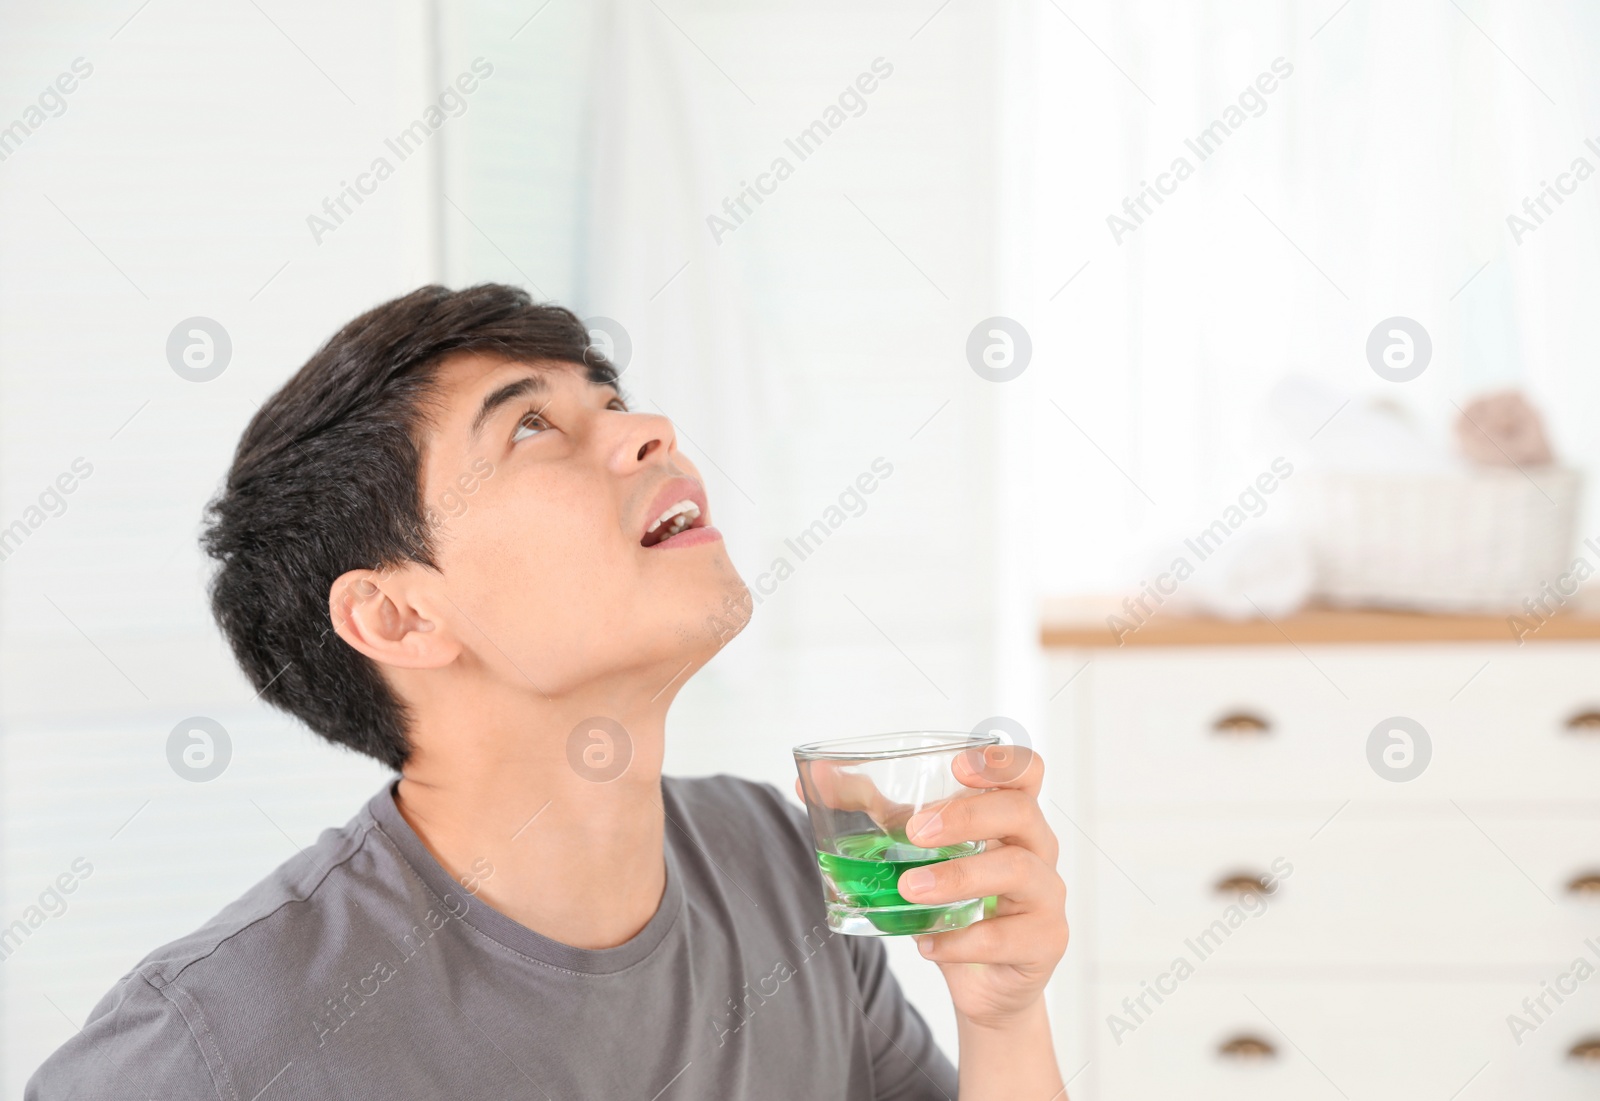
646	438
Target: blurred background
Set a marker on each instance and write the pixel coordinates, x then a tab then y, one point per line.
1299	294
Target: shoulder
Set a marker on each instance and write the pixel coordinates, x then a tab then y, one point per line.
732	805
155	1030
311	886
740	835
135	1043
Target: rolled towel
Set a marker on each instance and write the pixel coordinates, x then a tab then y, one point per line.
1502	429
1258	571
1264	570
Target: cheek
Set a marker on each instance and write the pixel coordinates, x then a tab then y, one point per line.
550	588
534	550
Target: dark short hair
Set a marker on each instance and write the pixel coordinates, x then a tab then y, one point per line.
327	478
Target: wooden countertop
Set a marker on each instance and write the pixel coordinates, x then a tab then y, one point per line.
1082	622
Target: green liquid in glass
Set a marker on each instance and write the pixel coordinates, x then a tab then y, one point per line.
865	872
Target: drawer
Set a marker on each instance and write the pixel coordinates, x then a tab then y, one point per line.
1271	724
1377	1041
1371	887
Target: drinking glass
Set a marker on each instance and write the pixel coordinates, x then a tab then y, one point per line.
859	794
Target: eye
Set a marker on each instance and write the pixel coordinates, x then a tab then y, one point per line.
531	424
618	405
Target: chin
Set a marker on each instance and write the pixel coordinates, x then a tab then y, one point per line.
728	607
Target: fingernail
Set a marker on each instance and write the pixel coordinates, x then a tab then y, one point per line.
915	881
924	826
924	945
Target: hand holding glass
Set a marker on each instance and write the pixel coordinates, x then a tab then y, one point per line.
859	794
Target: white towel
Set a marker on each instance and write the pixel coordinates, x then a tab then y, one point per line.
1258	570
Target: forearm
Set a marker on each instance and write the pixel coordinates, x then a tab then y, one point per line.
1011	1062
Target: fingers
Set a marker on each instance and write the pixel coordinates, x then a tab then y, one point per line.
1017	875
1000	766
841	788
1013	774
1032	941
1011	816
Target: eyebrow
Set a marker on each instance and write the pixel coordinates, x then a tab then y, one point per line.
520	387
511	391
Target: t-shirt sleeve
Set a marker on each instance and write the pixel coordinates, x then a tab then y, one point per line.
135	1045
907	1063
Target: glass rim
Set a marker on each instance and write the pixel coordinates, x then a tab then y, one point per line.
855	748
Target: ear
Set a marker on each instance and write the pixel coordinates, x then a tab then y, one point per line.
378	615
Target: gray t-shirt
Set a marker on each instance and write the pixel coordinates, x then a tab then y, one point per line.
361	969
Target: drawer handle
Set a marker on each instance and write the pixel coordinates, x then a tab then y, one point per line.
1243	724
1586	885
1244	883
1247	1049
1584	722
1586	1050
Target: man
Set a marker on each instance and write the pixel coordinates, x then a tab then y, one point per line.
447	543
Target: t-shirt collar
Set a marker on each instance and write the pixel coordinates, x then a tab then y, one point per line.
513	934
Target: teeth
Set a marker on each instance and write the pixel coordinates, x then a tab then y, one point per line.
681	515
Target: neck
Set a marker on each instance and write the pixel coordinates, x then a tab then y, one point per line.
554	822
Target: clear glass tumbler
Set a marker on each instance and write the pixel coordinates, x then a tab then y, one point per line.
859	793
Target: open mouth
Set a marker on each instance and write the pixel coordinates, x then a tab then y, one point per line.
675	519
676	513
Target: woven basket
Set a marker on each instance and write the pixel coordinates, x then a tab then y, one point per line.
1480	541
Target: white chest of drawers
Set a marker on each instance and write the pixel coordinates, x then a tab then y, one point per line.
1437	936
